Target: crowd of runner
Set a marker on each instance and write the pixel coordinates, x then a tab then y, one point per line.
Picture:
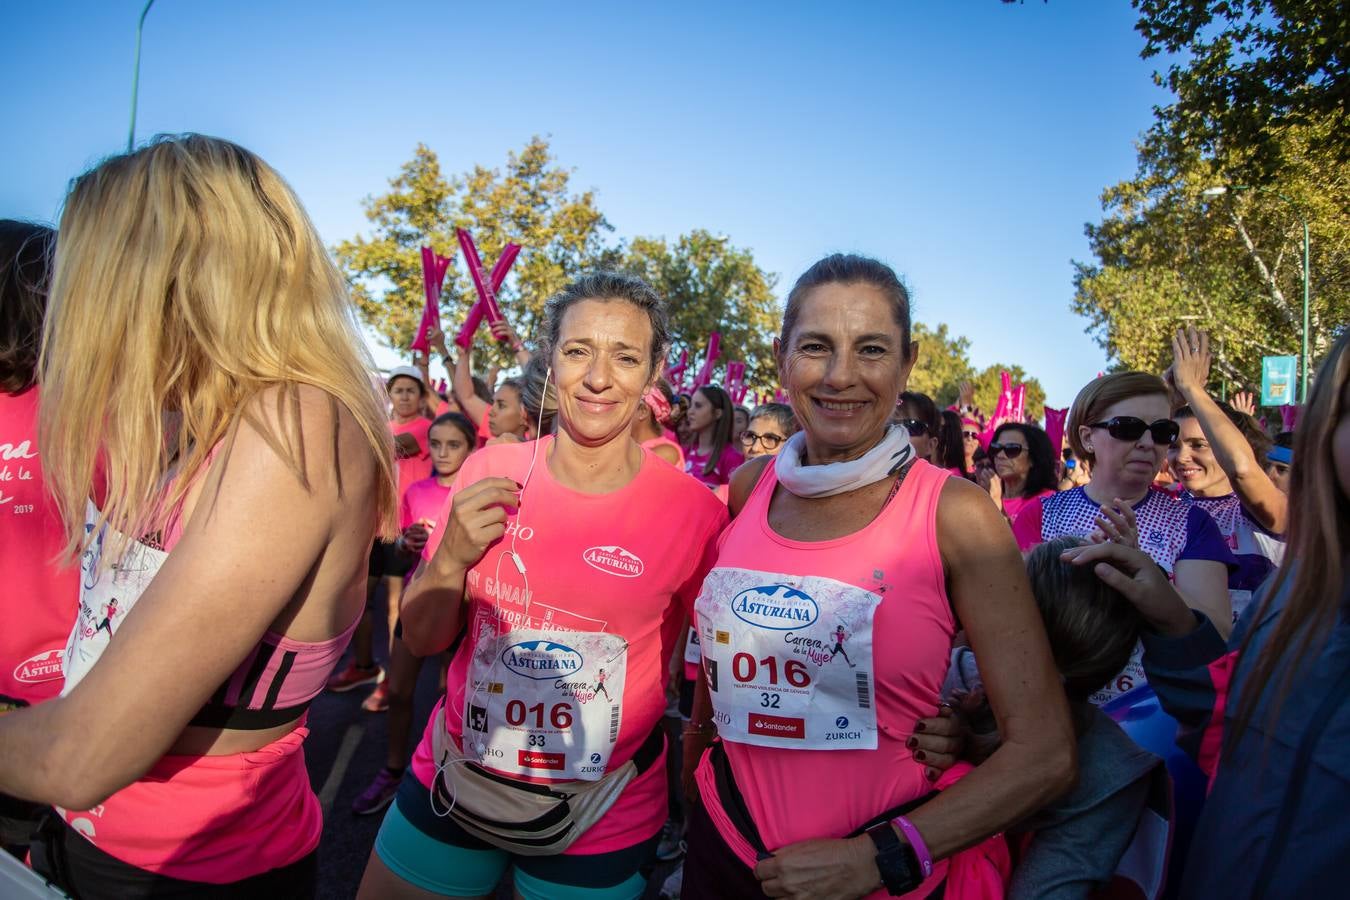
851	645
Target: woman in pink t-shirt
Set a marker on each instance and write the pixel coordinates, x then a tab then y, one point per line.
1024	468
649	425
450	441
249	468
711	455
569	604
826	628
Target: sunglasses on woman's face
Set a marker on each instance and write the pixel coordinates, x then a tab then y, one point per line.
770	441
1130	428
970	435
1012	451
915	427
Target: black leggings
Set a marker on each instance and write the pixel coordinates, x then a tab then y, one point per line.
64	857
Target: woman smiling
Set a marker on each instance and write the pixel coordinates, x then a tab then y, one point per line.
827	624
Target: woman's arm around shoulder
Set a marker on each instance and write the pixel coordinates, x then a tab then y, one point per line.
254	540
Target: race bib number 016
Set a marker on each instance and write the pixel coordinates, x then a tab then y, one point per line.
788	659
544	702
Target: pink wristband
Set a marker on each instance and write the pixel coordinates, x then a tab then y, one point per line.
916	842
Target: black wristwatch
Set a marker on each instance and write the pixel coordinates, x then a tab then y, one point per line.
896	860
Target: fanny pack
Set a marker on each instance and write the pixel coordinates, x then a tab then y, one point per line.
519	816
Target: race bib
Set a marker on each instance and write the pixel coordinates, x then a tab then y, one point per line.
544	702
1129	678
693	654
1239	600
788	659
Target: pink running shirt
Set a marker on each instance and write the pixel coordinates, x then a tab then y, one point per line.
595	566
695	462
413	468
777	637
659	441
39	600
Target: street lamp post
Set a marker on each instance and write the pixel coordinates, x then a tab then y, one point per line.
1219	191
136	76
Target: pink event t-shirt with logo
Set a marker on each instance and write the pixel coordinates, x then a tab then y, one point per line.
597	612
40	599
413	468
424	502
695	462
819	658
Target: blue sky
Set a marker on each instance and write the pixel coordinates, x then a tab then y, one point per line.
964	142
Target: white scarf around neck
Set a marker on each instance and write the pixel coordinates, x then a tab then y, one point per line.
891	454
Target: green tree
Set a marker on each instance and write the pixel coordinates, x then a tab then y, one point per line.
530	203
944	363
710	286
1166	256
1243	71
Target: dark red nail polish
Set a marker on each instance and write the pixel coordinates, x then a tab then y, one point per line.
919	726
912	743
919	755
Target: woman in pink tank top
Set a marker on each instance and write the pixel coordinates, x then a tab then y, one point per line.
249	467
649	425
826	628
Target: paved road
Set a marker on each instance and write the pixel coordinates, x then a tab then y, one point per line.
344	751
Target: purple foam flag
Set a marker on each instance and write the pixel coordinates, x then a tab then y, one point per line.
433	274
1290	415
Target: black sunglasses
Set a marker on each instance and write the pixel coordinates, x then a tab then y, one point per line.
770	441
915	427
1130	428
1012	451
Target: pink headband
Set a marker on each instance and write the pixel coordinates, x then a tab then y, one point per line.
659	405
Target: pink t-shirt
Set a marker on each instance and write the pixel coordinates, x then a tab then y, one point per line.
597	568
39	600
1013	506
413	468
820	656
695	462
666	442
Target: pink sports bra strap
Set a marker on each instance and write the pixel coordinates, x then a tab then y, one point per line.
274	684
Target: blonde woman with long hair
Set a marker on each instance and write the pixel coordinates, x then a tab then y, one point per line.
222	466
1266	714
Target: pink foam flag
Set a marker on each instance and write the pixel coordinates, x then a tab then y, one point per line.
433	274
1019	404
441	386
736	381
486	305
780	396
675	374
1290	415
705	373
1054	426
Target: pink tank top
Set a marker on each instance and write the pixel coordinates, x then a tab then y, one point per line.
820	656
215	819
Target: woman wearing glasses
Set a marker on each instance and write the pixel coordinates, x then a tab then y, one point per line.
1024	468
770	425
920	417
1120	424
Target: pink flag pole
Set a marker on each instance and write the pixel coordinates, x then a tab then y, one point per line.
1054	426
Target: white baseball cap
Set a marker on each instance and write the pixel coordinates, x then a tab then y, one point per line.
405	372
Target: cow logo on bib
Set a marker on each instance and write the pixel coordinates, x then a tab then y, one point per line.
542	660
613	560
775	606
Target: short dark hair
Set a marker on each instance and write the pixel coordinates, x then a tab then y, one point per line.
25	277
606	285
1092	628
461	422
1256	437
925	410
851	268
1042	475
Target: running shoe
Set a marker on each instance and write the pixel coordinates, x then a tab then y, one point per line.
353	677
379	795
674	883
670	846
378	701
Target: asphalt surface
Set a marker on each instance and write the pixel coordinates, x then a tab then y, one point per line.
344	751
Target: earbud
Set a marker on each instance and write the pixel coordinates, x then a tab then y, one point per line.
520	563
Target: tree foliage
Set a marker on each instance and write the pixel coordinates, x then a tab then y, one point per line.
1244	71
710	286
1233	264
988	383
561	235
944	363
